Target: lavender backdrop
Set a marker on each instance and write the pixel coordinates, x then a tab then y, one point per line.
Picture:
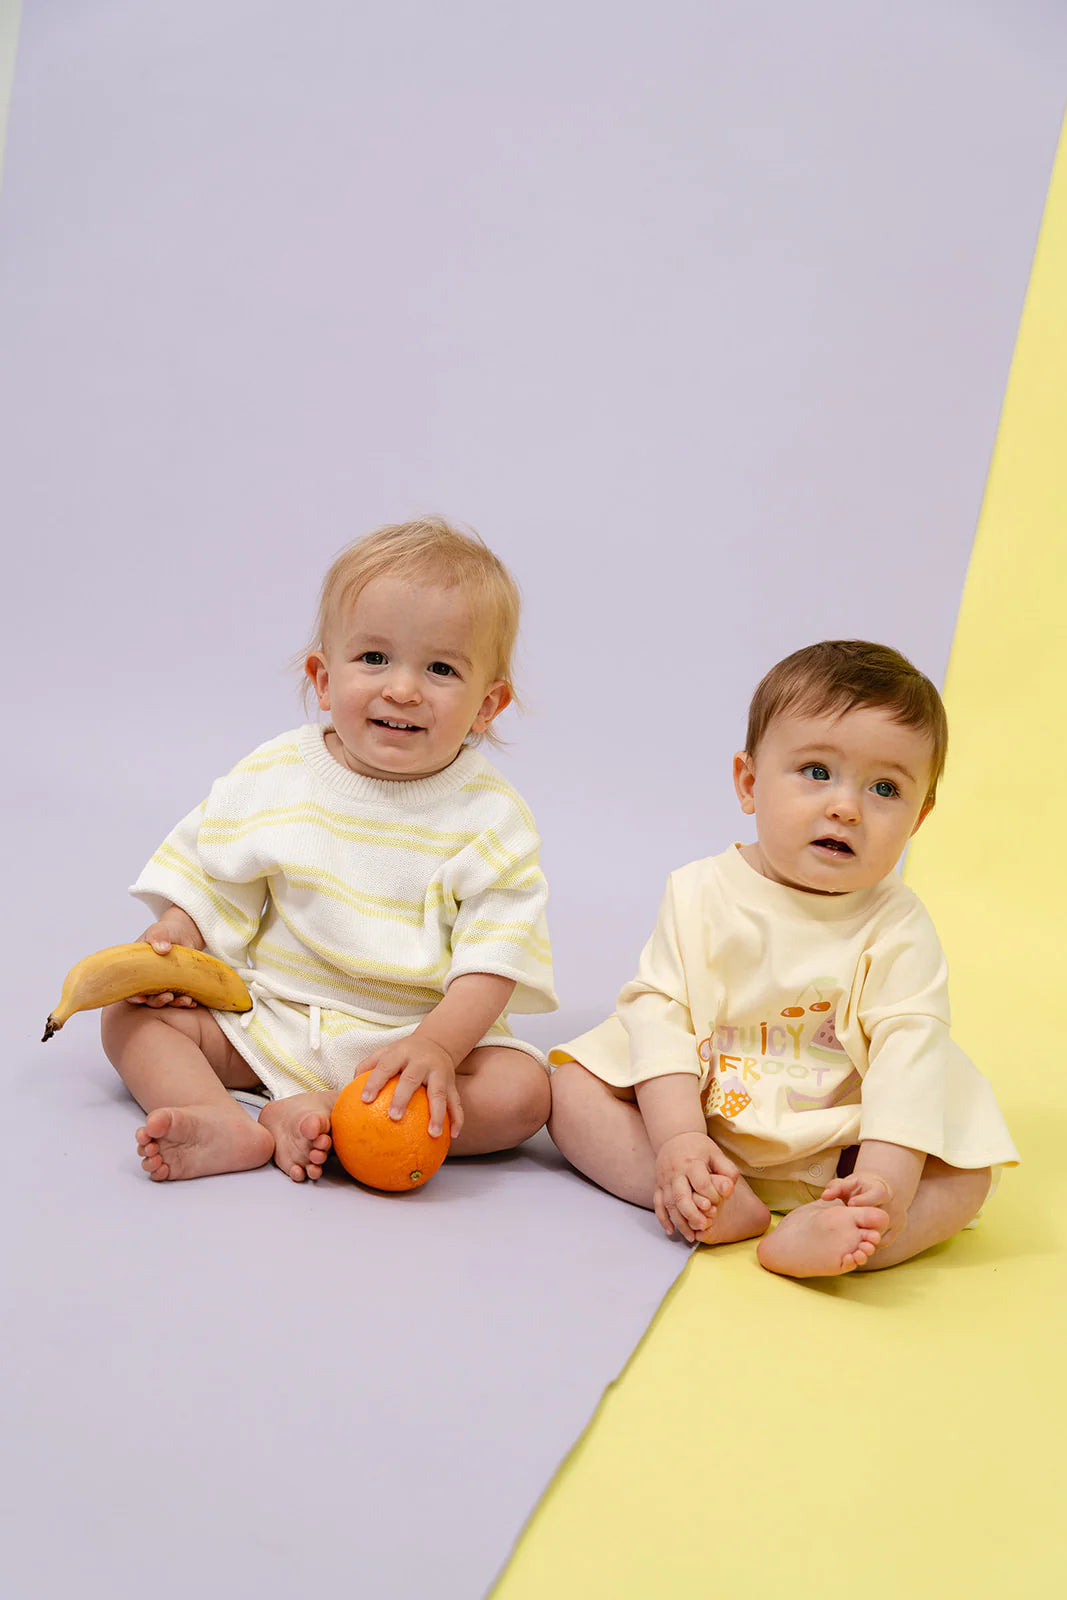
701	314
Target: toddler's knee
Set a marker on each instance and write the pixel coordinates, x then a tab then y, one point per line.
575	1092
565	1086
537	1100
114	1025
978	1182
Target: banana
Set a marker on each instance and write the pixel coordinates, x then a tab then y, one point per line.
125	969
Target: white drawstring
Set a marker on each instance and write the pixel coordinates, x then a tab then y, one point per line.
254	991
267	990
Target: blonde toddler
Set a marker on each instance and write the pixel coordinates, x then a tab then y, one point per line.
374	879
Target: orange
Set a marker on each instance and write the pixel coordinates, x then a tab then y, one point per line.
378	1151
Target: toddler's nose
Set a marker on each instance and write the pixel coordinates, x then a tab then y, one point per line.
844	805
402	688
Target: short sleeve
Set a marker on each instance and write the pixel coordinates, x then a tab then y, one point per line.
654	1006
501	927
920	1089
219	883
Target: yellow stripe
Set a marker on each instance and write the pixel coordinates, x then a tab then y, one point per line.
386	907
363	982
171	859
286	756
284	1062
498	786
366	830
335	1025
492	850
483	932
518	878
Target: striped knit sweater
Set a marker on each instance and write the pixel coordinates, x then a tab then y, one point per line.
358	894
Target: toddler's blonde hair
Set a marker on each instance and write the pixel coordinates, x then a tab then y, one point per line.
428	550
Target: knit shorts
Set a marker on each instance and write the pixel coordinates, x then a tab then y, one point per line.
296	1048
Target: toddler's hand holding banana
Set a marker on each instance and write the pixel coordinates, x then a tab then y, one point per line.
123	970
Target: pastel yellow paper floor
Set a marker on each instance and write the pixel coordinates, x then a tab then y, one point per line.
903	1433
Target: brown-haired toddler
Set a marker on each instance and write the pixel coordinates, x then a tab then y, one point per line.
785	1044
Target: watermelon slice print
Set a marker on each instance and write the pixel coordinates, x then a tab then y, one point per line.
826	1045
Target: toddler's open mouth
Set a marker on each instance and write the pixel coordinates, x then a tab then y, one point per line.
837	847
396	727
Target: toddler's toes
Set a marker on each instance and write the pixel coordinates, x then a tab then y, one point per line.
313	1128
870	1219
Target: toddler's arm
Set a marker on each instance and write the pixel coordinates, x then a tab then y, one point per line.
443	1039
175	926
692	1175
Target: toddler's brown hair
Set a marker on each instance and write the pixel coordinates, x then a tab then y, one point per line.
841	675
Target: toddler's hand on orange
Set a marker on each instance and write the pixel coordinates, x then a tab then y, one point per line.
416	1061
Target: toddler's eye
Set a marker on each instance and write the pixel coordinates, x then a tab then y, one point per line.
372	658
884	789
442	669
820	774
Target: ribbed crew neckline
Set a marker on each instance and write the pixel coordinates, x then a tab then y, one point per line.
409	794
779	897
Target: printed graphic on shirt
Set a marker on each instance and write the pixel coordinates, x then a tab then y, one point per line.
725	1097
740	1058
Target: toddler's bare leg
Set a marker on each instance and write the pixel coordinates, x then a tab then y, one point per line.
829	1237
178	1064
945	1201
505	1095
601	1132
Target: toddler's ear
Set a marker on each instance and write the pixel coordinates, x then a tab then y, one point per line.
317	671
745	781
497	697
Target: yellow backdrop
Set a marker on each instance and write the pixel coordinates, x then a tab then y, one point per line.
897	1434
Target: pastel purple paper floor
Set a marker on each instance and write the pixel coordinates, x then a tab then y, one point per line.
288	1387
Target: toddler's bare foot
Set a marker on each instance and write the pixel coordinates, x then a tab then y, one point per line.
196	1141
300	1127
823	1239
739	1215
